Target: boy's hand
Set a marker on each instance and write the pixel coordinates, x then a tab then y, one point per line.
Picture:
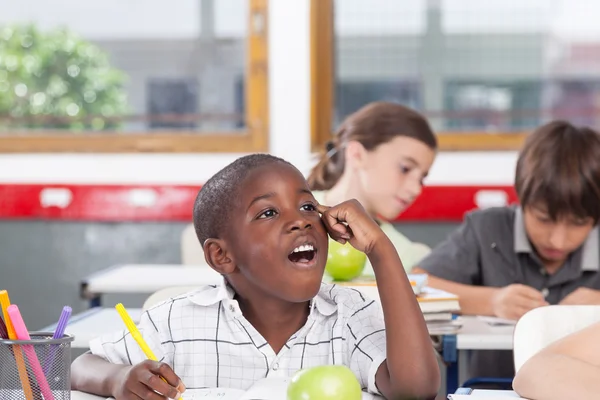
349	222
143	380
513	301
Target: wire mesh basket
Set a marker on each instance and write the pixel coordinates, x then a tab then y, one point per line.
36	369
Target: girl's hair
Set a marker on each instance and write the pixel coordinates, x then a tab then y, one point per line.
374	124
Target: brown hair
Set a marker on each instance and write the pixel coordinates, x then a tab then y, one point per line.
374	124
559	167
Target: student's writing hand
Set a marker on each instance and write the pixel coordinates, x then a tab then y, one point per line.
512	301
143	380
582	296
349	222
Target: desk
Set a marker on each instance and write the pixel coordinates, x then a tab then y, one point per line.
95	322
75	395
144	278
474	334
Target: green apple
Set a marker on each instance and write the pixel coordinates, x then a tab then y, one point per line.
344	262
327	382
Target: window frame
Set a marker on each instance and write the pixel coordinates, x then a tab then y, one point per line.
322	48
253	138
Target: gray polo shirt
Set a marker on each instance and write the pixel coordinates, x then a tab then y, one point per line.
491	248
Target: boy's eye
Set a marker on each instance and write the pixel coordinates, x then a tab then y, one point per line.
543	218
579	222
270	213
309	207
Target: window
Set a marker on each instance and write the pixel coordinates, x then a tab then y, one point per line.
351	95
99	77
484	72
173	99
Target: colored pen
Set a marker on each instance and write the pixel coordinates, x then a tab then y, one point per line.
135	333
3	331
5	303
34	362
58	333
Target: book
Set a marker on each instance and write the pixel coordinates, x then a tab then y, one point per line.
444	328
437	317
495	321
368	283
430	300
434	301
483	394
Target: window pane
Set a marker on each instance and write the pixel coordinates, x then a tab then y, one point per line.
134	66
471	65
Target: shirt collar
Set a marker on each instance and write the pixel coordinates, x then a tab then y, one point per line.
590	259
213	294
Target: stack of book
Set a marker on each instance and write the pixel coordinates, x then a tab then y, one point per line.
437	305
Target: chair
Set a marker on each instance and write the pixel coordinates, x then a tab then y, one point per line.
542	326
539	328
191	251
164	294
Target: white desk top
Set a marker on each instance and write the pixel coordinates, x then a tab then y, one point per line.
75	395
479	394
149	278
95	322
476	334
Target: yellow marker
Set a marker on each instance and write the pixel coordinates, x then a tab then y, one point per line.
135	333
12	335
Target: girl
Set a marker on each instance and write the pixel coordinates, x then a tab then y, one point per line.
379	156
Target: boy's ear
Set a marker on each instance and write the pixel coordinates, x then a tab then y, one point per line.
217	256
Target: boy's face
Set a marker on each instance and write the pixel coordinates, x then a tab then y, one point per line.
555	240
277	239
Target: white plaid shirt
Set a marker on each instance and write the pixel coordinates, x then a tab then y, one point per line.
207	341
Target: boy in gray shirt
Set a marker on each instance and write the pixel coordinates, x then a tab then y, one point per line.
507	261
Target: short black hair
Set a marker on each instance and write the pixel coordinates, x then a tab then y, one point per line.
215	199
559	167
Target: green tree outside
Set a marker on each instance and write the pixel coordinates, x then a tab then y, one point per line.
57	80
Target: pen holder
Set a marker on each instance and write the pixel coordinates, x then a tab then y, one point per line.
36	369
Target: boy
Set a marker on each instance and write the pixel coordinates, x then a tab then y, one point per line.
263	231
506	261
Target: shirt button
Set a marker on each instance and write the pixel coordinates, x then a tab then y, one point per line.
545	292
275	367
231	308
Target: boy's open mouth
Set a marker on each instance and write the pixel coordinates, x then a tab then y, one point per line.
303	254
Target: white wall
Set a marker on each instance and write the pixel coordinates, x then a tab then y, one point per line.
459	168
289	132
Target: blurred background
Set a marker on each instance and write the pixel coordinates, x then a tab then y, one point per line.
113	114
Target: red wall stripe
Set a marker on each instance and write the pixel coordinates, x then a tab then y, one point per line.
174	203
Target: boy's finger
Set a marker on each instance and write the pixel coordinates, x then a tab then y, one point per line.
334	227
145	392
165	371
321	208
531	293
157	384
